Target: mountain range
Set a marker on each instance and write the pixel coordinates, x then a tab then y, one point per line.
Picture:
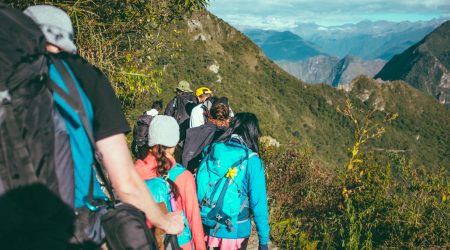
331	70
307	62
366	39
425	65
336	54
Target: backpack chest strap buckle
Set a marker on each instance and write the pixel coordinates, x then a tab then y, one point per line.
205	202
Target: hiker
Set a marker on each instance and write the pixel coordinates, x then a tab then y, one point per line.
163	137
181	105
139	145
156	108
231	187
199	137
198	116
102	110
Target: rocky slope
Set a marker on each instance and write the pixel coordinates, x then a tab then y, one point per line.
331	70
425	65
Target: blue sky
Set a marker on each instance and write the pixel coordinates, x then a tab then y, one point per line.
284	14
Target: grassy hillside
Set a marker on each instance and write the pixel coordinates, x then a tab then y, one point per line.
421	130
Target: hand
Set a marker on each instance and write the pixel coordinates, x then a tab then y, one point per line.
173	223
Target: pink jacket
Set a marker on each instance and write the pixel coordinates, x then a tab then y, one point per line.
187	200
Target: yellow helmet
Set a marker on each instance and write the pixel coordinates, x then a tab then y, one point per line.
202	90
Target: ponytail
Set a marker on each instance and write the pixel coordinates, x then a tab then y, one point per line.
163	166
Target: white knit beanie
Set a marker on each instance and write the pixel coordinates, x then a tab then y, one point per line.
163	130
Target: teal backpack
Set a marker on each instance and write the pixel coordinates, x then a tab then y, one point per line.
219	184
160	190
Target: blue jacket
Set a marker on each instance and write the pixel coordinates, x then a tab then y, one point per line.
254	186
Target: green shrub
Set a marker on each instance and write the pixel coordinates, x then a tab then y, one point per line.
376	200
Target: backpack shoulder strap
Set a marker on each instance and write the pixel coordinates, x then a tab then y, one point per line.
173	175
176	171
74	100
205	112
174	101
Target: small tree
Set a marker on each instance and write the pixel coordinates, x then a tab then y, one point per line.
354	233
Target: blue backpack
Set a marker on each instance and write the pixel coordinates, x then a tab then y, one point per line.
160	190
220	180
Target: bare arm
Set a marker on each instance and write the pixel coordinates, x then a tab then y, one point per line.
129	186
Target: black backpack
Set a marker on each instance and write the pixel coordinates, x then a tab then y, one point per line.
30	129
140	131
181	107
34	144
26	108
139	146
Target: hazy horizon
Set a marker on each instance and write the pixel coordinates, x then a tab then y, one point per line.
288	14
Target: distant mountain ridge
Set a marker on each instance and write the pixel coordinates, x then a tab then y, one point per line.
307	62
367	39
283	45
363	48
425	65
331	70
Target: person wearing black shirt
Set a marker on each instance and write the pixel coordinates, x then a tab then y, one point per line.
109	123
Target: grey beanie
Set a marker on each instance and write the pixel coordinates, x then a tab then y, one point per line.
163	130
55	24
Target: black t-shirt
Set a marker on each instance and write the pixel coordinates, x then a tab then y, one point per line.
108	115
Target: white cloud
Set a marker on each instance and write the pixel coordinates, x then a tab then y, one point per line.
261	22
281	14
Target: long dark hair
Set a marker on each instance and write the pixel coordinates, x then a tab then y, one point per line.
163	166
247	126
